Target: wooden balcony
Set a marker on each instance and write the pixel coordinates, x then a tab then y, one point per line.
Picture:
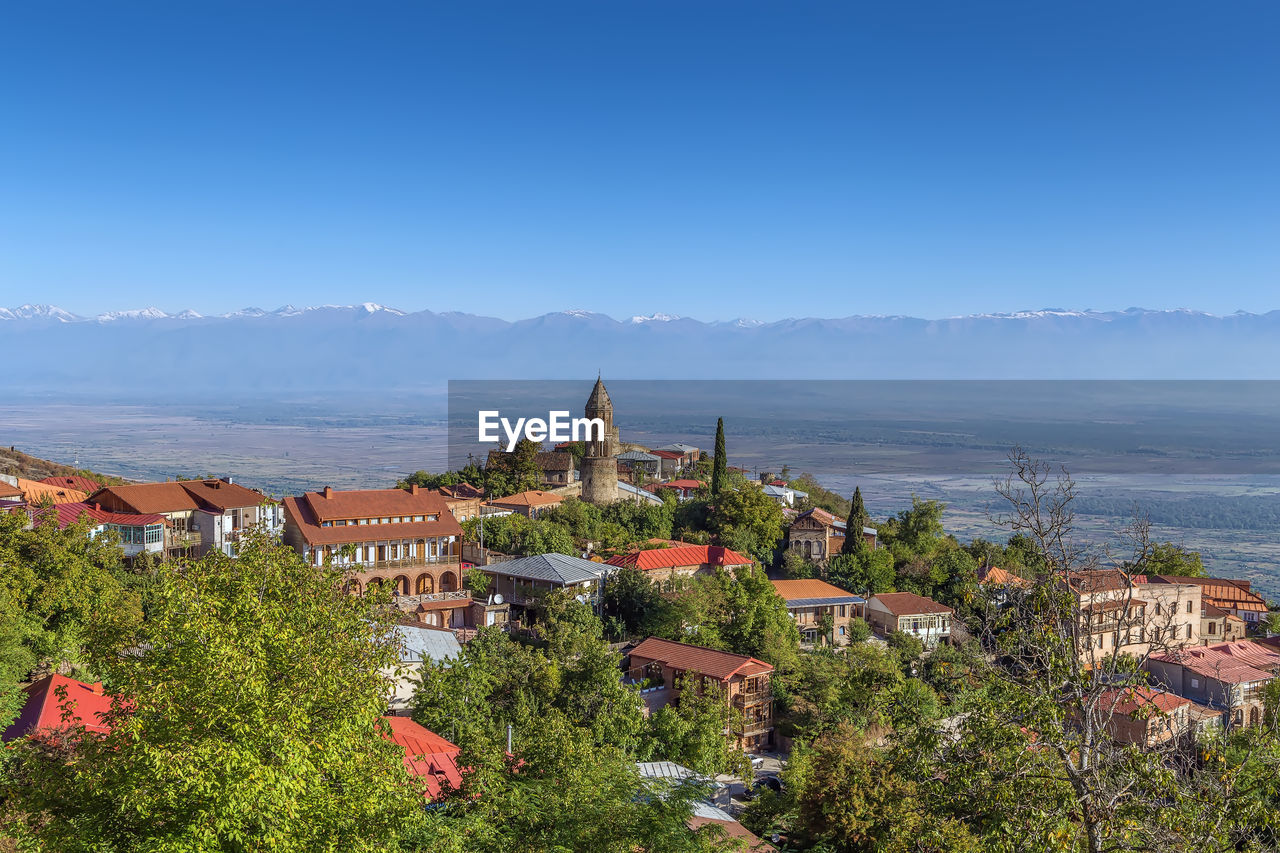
448	562
755	727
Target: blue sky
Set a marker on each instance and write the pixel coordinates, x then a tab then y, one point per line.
708	159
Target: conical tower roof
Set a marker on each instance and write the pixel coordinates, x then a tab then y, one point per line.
599	398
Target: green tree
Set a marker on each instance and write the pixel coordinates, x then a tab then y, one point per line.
634	607
247	716
748	521
691	731
858	519
863	572
720	463
1169	559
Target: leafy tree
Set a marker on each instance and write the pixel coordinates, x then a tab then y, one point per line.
514	472
515	534
858	519
866	571
795	566
691	731
748	521
1169	559
721	461
633	604
471	474
247	716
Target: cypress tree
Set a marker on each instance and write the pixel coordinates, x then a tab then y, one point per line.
857	520
719	464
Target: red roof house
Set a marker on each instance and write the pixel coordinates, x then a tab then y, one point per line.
683	560
426	755
83	704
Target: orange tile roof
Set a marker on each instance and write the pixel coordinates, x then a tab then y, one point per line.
999	577
178	496
680	557
533	497
335	505
1222	592
709	662
909	604
808	588
8	492
33	491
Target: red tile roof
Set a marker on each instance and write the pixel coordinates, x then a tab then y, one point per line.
1101	580
43	708
1128	700
667	454
1231	663
999	577
8	492
76	482
426	755
462	491
709	662
733	829
909	604
681	556
1225	593
68	514
680	484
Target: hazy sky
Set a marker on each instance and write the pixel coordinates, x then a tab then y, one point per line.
709	159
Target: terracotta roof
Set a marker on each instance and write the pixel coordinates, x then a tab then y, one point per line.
68	514
683	555
335	505
43	708
999	577
680	484
555	461
1102	580
1128	700
426	754
462	491
34	491
810	588
179	496
709	662
533	497
1231	663
298	511
667	454
77	482
821	515
8	492
909	604
1222	592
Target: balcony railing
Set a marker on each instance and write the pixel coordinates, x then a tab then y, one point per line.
178	539
402	563
753	697
423	597
755	727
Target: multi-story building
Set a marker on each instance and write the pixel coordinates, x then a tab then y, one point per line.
530	504
1219	626
818	535
1119	612
1234	596
405	537
811	601
522	580
202	515
744	682
1227	677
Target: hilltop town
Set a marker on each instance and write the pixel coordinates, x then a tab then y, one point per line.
599	645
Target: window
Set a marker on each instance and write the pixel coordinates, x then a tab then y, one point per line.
1188	630
418	518
1188	606
326	524
364	521
1213	627
1195	682
1158	610
433	518
386	521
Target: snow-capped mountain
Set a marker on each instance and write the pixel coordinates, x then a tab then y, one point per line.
370	348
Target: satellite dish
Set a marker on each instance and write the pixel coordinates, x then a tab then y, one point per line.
582	599
497	599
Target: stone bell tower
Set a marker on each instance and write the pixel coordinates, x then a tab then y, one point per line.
600	464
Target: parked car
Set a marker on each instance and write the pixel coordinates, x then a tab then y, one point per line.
756	761
770	783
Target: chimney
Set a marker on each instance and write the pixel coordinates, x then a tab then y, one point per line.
97	687
328	491
413	489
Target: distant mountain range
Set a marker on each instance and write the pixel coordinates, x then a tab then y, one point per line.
347	350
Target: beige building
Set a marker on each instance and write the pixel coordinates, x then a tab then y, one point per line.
911	614
1119	614
809	601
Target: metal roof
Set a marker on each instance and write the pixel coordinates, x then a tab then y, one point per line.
642	493
556	568
423	644
668	770
678	447
824	602
638	456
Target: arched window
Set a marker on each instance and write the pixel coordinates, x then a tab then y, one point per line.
425	585
401	584
448	582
